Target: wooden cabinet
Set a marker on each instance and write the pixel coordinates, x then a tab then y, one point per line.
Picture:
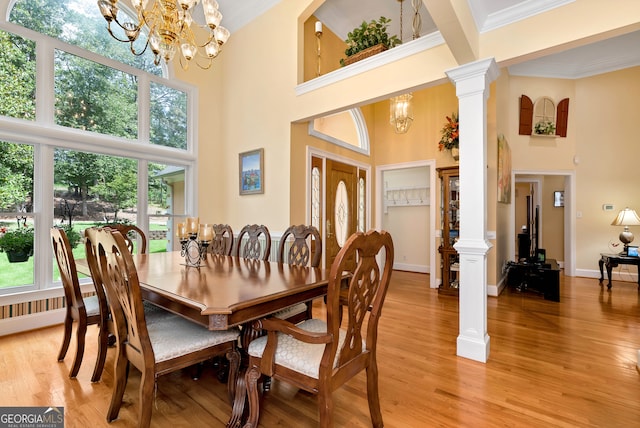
450	229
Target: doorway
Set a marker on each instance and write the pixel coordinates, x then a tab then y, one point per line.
339	200
546	219
406	207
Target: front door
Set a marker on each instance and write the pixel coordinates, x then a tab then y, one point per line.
342	205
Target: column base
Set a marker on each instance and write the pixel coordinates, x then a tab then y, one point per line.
478	350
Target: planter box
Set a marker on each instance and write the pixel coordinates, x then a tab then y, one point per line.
18	256
365	54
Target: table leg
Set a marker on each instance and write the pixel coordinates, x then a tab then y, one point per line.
240	401
609	267
600	264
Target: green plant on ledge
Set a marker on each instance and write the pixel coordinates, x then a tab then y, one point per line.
368	35
545	128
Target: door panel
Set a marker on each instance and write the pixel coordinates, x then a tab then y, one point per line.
342	208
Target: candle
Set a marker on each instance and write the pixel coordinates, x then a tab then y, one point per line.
192	224
206	232
318	27
181	230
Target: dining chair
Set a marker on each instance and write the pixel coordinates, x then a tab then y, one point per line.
151	311
155	348
319	356
85	311
253	248
222	240
304	250
132	234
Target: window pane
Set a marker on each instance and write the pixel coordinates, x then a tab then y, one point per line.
168	116
16	225
96	98
17	77
16	177
91	188
166	201
80	23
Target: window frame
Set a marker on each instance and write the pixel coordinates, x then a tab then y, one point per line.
45	136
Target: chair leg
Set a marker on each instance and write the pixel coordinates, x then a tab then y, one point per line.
372	395
120	376
66	340
81	333
251	378
325	408
103	344
147	382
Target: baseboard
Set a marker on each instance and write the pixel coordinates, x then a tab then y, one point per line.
620	273
31	322
411	268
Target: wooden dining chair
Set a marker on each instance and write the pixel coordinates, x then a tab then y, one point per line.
222	243
318	356
253	248
132	234
155	348
300	245
84	311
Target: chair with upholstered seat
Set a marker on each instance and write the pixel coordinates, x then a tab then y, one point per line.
300	245
155	348
257	245
84	311
132	234
151	311
318	356
222	243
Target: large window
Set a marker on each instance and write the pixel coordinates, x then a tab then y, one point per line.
88	134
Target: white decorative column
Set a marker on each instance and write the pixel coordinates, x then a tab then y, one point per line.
472	88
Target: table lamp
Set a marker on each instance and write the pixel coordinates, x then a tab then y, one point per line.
627	217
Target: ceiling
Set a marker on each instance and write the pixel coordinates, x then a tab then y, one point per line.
342	16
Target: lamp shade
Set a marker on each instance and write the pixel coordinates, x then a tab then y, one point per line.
626	217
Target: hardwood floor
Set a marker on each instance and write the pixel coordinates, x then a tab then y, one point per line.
566	364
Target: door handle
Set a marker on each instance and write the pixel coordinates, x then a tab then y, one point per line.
329	234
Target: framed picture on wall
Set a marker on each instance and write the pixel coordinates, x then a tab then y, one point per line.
558	199
252	172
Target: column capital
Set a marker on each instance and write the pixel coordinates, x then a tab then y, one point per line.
487	69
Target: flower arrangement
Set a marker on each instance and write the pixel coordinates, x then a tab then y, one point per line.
19	240
368	35
450	134
545	128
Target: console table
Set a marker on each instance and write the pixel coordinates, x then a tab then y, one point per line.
612	260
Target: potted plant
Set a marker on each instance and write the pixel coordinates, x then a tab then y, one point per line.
545	128
368	39
18	244
450	139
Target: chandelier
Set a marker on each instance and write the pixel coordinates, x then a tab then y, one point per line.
401	113
169	27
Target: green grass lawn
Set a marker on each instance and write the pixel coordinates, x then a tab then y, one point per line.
18	274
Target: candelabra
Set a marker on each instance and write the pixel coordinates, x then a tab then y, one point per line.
194	251
195	239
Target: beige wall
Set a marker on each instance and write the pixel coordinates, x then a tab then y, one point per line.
598	148
248	101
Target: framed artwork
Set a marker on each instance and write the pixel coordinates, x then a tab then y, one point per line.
558	199
504	171
252	172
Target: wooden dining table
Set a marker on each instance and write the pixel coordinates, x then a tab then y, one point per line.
224	292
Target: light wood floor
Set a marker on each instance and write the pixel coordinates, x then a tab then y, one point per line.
567	364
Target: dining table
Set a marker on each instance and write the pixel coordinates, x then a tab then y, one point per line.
224	292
